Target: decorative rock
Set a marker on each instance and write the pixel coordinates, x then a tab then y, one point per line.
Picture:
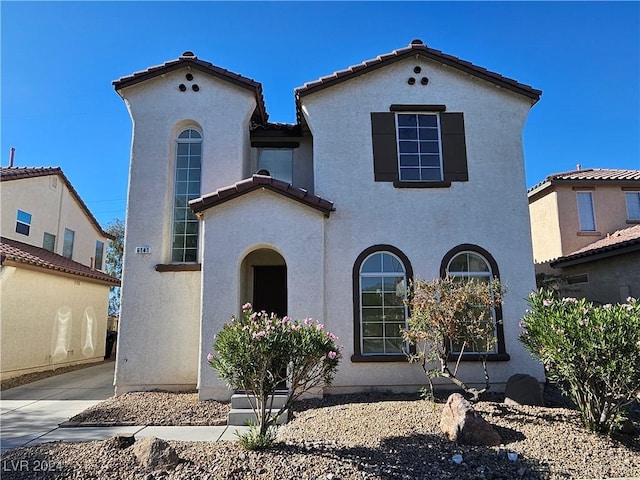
463	425
154	453
523	389
121	441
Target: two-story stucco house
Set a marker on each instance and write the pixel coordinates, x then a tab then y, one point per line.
406	166
585	226
54	293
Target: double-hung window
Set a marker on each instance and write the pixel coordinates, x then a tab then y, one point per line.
419	151
586	212
23	222
633	206
187	187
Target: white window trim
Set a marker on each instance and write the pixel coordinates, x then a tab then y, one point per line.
439	130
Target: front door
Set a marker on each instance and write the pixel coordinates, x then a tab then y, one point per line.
270	289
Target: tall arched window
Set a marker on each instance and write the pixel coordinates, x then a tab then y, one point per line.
470	262
381	275
187	187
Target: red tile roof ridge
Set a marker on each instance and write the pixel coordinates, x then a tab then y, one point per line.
615	238
24	253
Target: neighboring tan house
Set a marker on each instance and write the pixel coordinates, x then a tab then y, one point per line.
586	233
54	293
389	175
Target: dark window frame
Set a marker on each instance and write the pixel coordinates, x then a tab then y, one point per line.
357	356
501	354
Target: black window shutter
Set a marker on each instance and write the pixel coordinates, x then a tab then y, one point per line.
454	148
385	155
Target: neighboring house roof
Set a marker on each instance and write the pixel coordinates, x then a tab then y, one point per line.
188	59
22	253
19	173
256	182
417	48
588	177
617	243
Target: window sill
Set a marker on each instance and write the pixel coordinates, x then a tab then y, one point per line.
357	358
474	357
633	221
178	267
442	184
589	234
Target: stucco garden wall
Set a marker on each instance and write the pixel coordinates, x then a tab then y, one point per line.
490	210
65	326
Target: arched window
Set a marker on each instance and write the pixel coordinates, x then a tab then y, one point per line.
470	262
187	187
380	278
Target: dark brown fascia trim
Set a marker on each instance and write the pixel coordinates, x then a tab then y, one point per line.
631	189
411	52
6	262
276	143
442	184
598	254
178	267
586	188
417	108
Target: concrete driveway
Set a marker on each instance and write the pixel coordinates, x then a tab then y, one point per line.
36	409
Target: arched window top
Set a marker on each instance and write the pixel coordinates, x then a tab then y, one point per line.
469	264
382	263
190	134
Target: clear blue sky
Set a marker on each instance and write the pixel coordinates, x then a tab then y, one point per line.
59	59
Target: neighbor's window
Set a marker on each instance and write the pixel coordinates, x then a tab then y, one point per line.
419	147
470	265
49	242
586	212
67	248
383	282
99	255
278	162
633	205
23	222
187	187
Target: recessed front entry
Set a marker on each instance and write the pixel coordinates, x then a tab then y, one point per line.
270	289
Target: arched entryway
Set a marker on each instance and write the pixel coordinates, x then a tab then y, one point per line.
264	281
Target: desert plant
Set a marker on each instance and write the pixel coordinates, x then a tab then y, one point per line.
592	352
254	440
259	351
448	317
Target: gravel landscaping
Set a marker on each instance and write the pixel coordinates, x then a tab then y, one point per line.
365	436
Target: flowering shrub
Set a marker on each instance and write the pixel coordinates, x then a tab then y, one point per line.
259	351
593	352
448	317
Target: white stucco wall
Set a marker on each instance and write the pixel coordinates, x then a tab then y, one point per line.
160	311
490	210
65	326
52	209
259	219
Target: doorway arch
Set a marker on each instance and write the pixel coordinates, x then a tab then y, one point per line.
263	279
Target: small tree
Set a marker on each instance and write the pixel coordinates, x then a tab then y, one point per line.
113	261
448	317
258	351
592	352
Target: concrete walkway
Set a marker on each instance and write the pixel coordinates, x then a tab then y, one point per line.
31	414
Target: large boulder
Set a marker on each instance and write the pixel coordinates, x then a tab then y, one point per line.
154	454
463	425
523	389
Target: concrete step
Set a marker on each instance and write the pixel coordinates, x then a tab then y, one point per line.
240	416
240	400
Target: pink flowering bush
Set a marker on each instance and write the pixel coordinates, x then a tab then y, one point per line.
260	352
592	352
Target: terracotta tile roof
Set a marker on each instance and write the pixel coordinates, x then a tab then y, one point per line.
627	239
18	173
30	255
188	59
417	47
261	181
588	177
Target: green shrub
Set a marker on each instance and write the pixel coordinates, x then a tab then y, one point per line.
259	351
254	440
592	352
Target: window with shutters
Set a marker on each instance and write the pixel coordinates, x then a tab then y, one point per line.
419	146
